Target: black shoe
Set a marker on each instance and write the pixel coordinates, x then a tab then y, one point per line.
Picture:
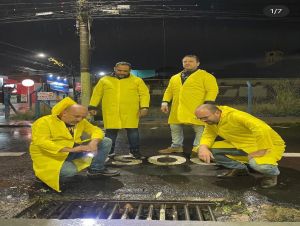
234	173
138	155
105	172
268	181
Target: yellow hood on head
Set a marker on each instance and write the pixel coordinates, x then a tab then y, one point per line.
62	105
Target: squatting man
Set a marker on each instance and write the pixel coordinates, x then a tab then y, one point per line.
247	141
58	151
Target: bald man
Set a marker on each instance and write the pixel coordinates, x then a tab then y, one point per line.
58	151
247	140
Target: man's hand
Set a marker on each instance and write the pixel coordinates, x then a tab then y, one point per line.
80	148
143	112
258	153
164	108
204	154
92	112
93	145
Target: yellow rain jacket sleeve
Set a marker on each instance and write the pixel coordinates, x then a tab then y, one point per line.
121	100
49	136
198	88
245	132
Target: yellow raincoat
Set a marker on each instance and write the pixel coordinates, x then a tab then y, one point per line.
197	88
121	100
49	136
245	132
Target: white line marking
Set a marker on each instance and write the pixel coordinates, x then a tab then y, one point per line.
6	154
282	127
291	154
154	128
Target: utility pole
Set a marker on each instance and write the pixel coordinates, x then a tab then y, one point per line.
84	36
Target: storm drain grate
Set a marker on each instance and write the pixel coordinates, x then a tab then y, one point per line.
136	210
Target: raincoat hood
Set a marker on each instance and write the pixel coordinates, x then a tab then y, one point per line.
50	135
62	105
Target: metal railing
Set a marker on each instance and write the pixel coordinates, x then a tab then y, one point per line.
261	97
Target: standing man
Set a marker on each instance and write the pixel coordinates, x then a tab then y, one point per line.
57	151
187	90
124	98
246	140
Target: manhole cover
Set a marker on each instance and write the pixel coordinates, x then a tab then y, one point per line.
136	210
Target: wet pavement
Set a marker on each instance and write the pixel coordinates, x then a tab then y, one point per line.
146	181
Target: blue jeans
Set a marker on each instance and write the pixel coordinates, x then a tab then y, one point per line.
177	135
221	158
69	169
132	135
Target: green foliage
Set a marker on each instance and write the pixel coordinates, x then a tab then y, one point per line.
281	214
286	101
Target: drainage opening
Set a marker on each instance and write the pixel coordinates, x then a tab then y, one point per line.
137	210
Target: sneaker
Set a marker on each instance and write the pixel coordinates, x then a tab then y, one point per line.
137	155
268	181
105	172
170	150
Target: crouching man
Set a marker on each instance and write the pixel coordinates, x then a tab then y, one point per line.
57	150
247	140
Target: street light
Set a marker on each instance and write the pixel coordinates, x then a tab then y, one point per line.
101	73
60	64
27	83
41	55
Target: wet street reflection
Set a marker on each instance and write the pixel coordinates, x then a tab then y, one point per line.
146	180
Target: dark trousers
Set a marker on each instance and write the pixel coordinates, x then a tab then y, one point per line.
132	135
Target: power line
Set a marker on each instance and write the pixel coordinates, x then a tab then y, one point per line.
15	46
137	9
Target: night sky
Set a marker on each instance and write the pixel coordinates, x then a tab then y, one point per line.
226	47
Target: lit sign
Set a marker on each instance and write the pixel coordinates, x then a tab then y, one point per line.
46	96
58	83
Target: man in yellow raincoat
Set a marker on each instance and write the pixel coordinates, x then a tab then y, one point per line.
124	98
187	90
247	139
57	151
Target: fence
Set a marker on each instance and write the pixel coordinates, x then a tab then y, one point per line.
260	97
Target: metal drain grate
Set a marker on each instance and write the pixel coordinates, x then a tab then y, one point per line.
190	211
